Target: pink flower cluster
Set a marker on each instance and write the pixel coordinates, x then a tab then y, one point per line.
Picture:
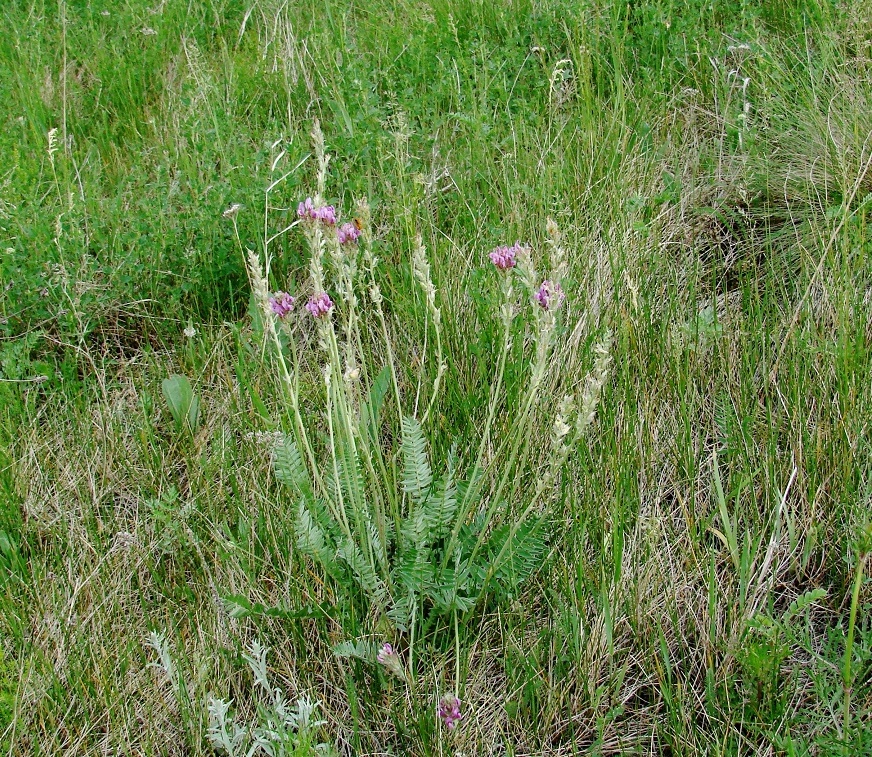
319	305
388	657
348	233
550	295
449	710
326	214
385	653
505	257
282	304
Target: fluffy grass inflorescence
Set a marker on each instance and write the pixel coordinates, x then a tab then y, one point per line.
562	365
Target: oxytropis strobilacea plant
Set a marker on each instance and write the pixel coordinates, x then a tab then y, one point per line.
413	536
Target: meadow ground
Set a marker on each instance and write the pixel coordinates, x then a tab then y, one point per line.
637	523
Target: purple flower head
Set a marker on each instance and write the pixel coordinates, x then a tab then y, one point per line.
306	209
282	304
388	657
326	214
348	233
449	710
319	305
550	295
505	257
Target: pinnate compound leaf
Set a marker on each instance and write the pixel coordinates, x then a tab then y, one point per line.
315	541
417	475
362	649
400	612
415	570
802	603
363	571
291	470
515	552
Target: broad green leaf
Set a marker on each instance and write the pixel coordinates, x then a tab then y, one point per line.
183	404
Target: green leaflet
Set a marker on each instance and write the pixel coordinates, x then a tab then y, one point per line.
415	570
400	613
362	649
431	518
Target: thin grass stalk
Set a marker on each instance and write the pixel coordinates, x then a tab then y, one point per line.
847	680
560	451
545	322
517	438
469	495
376	298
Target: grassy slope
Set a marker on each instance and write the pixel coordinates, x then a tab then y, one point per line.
725	247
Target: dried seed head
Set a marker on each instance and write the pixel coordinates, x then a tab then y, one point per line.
259	284
232	211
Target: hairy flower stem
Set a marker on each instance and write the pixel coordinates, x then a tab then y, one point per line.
316	263
339	401
292	385
456	654
391	362
335	458
376	299
421	272
421	372
412	640
590	399
440	369
355	504
258	284
343	258
437	382
545	322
